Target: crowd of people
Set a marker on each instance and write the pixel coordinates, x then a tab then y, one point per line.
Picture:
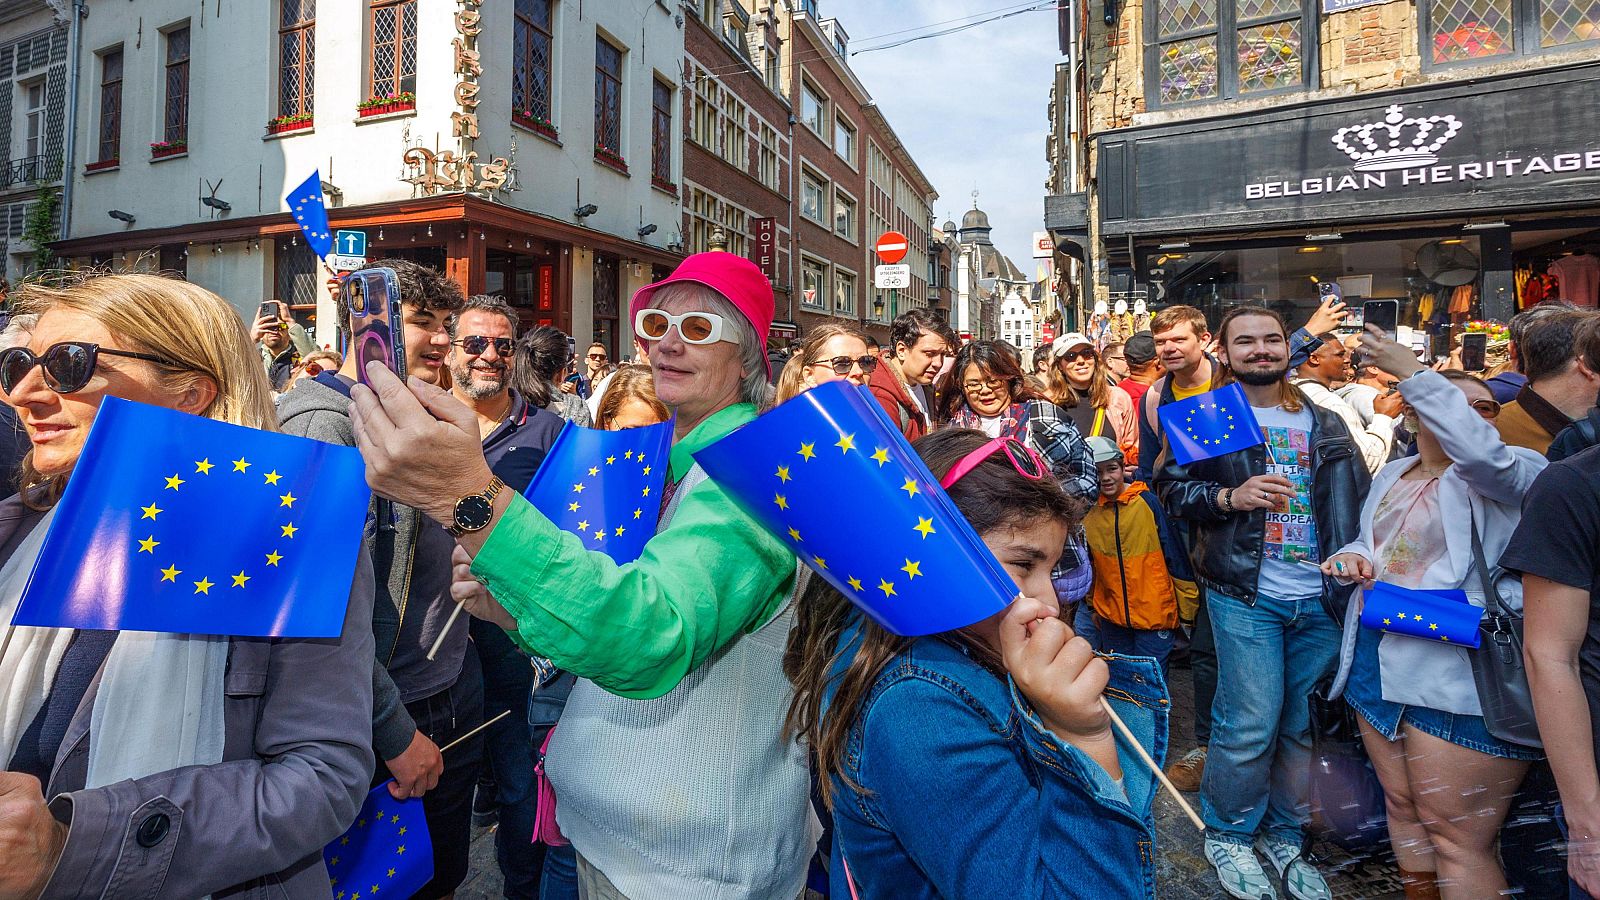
713	721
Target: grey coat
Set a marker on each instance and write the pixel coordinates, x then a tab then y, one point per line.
296	766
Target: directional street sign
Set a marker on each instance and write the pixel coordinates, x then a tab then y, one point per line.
350	243
891	276
891	247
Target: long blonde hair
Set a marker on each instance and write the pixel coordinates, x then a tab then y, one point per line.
172	319
1062	392
792	380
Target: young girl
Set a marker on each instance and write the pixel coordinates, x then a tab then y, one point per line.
943	778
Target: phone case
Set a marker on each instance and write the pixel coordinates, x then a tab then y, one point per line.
377	331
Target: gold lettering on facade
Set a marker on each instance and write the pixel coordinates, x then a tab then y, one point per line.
469	62
467	95
469	22
464	125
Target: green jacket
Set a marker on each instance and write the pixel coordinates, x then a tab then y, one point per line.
637	629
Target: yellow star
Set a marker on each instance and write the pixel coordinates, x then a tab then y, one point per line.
289	530
362	823
887	587
647	470
239	465
637	513
820	562
578	488
151	511
781	500
393	820
1433	626
795	534
287	500
334	861
273	557
374	890
846	443
173	481
783	473
203	586
1418	617
600	535
808	451
1386	621
573	507
620	530
400	849
171	573
925	526
912	569
584	525
628	455
610	460
343	841
240	579
855	583
594	470
881	455
203	467
1401	615
272	477
402	829
149	545
910	487
647	491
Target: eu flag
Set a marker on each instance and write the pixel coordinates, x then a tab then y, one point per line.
605	486
311	213
811	468
1444	616
183	524
386	853
1211	424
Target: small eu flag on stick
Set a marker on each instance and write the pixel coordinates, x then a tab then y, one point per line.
797	468
605	486
1443	616
183	524
1215	423
386	852
310	212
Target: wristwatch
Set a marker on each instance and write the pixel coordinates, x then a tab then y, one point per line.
474	512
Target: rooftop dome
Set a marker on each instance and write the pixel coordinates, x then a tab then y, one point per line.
949	227
975	218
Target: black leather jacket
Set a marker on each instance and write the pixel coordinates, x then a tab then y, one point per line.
1226	548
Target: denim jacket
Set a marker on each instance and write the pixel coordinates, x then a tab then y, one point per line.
966	794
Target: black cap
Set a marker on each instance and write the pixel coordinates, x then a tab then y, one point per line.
1140	350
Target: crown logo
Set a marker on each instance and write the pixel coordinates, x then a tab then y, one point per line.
1398	142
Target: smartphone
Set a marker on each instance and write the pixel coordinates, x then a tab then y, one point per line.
1384	314
267	310
1474	345
1439	344
1327	290
377	331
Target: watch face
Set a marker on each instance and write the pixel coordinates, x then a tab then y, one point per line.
473	513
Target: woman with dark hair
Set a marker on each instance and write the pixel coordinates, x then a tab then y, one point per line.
542	355
1047	805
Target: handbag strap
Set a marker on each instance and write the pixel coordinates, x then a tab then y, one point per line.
1099	422
1491	596
847	878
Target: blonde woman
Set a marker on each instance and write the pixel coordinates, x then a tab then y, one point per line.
1079	382
285	761
830	352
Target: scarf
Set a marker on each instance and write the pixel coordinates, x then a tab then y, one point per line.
1013	422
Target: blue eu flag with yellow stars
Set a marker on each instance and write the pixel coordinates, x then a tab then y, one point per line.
605	486
1211	424
311	213
808	470
178	523
1444	616
386	852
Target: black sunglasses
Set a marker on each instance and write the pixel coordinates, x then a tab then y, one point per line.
841	365
475	344
67	366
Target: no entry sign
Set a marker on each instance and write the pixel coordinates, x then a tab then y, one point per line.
891	247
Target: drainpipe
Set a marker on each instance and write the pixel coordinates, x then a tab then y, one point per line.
69	152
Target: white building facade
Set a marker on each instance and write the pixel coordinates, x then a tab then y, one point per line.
1017	324
33	101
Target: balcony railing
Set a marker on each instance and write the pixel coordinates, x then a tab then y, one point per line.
29	169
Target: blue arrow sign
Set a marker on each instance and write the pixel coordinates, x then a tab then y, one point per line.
350	243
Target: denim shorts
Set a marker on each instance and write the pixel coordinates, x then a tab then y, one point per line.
1364	693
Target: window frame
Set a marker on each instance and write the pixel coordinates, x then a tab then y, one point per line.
840	120
397	73
34	118
1527	25
824	205
615	82
304	32
1229	23
840	275
176	72
824	286
809	91
661	131
110	115
524	31
854	234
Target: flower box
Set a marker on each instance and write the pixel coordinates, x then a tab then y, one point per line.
536	123
283	124
102	165
393	103
610	160
662	184
164	149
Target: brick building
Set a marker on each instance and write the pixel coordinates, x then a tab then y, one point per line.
1217	152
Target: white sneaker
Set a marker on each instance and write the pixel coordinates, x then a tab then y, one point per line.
1300	878
1239	871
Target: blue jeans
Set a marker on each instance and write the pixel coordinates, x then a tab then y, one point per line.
1269	656
1109	637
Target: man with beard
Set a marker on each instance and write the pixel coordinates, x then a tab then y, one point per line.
516	437
1260	519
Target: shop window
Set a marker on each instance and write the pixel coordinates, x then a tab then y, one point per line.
533	45
607	289
1200	50
176	121
297	273
607	98
661	133
110	106
813	283
392	65
1456	31
297	44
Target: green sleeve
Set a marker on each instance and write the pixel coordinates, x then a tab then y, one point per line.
637	629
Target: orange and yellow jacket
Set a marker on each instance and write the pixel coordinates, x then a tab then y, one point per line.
1141	574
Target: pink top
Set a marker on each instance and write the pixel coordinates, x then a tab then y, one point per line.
1580	278
1408	531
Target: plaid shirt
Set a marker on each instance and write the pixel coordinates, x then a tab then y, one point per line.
1060	442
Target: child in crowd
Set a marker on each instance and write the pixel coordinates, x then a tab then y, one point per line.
1142	584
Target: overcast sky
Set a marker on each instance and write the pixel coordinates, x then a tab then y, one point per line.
972	107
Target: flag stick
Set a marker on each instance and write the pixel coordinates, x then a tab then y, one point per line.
439	641
475	731
1145	758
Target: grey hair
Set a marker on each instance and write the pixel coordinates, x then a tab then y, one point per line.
18	330
754	387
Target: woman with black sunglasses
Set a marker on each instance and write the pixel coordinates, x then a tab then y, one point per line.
834	351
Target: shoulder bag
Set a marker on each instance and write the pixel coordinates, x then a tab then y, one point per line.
1498	669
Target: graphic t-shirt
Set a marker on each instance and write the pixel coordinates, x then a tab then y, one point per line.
1291	537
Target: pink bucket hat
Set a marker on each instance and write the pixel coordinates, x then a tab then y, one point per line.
737	279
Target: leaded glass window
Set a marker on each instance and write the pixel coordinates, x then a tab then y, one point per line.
607	97
394	48
1218	49
532	43
297	45
1456	31
176	121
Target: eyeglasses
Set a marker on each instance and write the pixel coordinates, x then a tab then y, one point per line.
693	327
67	366
1075	355
313	369
1026	460
476	344
841	365
599	356
1489	409
992	385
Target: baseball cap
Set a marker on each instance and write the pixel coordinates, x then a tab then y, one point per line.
1140	349
1103	449
1069	341
737	279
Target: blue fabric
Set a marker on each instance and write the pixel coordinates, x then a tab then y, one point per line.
1208	425
387	845
1506	386
1109	637
1301	345
605	486
1269	656
1443	616
311	213
995	802
36	749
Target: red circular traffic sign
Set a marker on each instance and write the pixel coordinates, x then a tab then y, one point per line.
891	247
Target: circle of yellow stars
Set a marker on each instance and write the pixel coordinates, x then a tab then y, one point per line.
372	889
599	535
175	483
1188	424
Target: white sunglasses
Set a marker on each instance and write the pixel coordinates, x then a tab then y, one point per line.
693	327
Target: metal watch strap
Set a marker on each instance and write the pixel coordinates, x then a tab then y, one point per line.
488	494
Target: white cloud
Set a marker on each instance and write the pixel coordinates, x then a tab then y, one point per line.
972	107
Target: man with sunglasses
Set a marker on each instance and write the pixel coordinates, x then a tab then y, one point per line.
1326	370
920	341
419	704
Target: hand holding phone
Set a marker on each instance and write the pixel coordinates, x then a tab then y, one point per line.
1474	349
1382	314
377	331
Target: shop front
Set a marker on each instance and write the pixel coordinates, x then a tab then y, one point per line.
1462	201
